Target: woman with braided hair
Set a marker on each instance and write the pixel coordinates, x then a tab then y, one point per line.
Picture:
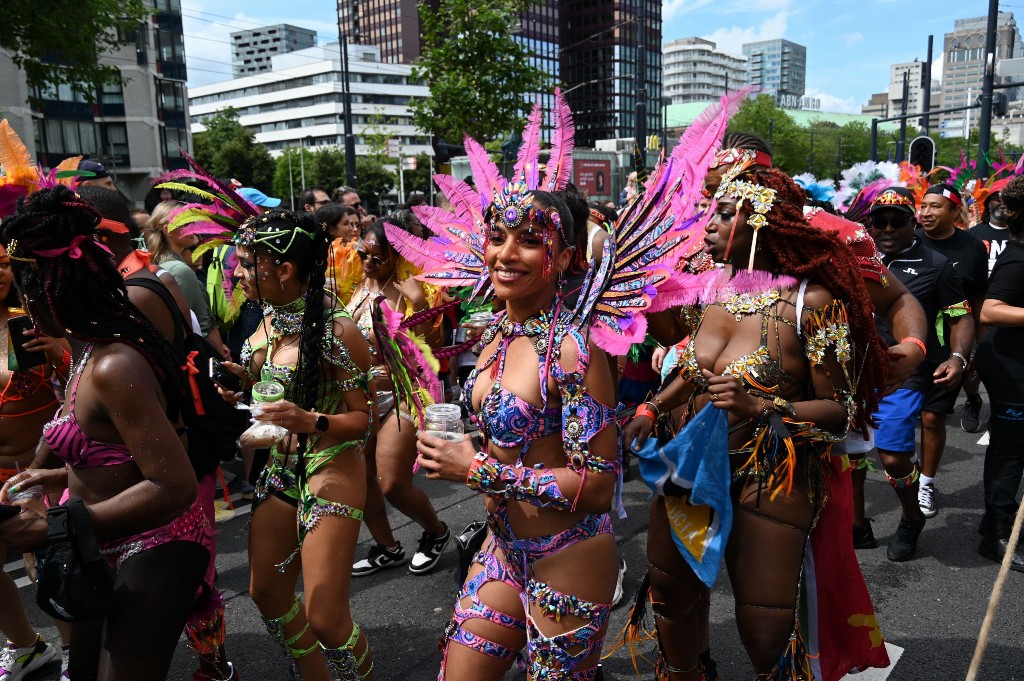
310	496
782	363
118	436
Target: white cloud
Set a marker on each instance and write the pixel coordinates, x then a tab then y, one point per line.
852	39
832	103
673	8
772	27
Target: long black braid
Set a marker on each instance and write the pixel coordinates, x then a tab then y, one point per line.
309	256
78	281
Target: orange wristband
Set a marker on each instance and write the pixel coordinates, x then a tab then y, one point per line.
644	410
918	342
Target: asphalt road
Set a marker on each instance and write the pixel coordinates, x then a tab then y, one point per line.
931	607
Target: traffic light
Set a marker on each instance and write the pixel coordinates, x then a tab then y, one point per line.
922	153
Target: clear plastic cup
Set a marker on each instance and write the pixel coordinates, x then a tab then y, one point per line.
444	421
33	492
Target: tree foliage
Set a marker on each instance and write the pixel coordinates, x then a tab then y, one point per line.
325	167
228	149
480	77
59	42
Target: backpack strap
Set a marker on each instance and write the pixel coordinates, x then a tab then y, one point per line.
157	287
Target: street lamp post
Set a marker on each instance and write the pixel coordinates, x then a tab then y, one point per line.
641	78
346	89
988	80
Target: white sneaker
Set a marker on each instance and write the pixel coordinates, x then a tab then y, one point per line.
617	596
18	663
926	500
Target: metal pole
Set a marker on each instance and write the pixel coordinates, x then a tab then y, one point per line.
346	90
926	83
902	144
430	177
810	157
771	132
302	163
985	122
874	139
291	185
640	111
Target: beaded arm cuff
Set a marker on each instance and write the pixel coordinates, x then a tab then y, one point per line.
828	348
536	486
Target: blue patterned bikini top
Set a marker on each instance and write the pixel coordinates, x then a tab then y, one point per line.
508	420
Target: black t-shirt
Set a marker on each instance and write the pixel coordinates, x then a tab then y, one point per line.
994	239
1006	343
931	278
969	258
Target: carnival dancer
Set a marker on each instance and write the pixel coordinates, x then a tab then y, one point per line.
117	445
27	402
391	453
544	399
310	495
781	363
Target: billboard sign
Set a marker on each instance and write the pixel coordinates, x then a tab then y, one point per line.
593	177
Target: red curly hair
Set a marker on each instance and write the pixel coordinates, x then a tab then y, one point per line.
805	252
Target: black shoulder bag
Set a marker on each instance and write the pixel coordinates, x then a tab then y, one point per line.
75	584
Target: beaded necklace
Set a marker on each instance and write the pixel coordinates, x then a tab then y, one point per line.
286	320
742	304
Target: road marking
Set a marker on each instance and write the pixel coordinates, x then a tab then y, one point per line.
984	440
895	652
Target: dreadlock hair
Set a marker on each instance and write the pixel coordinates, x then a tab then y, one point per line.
81	286
1013	205
822	257
111	205
580	214
746	140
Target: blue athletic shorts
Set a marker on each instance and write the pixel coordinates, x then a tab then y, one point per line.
897	418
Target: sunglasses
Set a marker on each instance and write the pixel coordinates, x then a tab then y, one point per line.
357	204
324	202
374	260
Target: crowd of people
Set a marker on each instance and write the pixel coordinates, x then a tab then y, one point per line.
717	318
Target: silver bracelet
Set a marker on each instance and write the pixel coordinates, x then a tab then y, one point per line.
961	358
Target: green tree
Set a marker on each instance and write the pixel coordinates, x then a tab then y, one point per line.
324	167
228	149
419	180
477	72
59	42
760	116
375	180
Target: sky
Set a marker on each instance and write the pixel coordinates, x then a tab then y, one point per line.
850	43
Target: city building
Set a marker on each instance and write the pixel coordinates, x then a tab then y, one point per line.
252	48
695	70
963	53
877	106
589	48
599	66
134	128
298	103
391	25
779	68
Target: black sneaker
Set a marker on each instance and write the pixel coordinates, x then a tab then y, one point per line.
428	553
904	543
863	536
995	549
378	559
970	414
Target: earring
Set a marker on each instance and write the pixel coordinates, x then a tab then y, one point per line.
281	282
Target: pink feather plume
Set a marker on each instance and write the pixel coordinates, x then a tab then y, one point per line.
485	173
563	140
526	169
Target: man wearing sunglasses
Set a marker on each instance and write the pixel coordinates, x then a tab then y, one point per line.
347	196
314	198
930	277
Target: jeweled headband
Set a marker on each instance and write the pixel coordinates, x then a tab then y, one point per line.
761	200
250	233
513	206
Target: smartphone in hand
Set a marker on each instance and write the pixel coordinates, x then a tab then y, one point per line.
220	375
26	359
